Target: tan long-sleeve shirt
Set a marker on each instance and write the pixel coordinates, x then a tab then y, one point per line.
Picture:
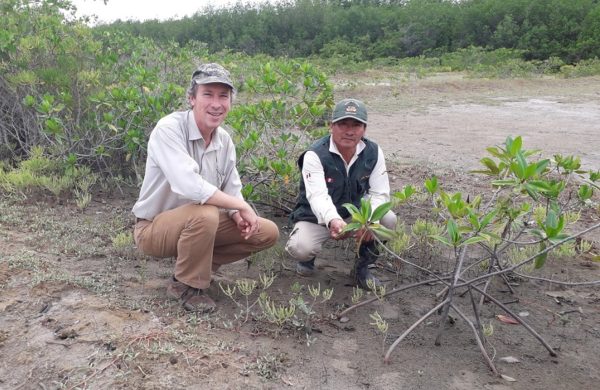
180	169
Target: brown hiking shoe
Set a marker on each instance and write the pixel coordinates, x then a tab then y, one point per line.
192	299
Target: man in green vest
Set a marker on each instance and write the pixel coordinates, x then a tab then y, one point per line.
343	167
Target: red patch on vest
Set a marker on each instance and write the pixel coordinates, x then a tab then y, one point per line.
329	180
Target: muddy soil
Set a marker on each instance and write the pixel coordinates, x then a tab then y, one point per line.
76	315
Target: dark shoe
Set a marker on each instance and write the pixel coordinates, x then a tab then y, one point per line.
306	268
367	255
192	299
361	276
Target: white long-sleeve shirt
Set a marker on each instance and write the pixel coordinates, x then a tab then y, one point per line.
180	169
316	189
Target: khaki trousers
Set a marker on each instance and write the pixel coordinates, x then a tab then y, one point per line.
202	238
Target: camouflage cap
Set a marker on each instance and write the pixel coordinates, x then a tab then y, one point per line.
350	108
212	73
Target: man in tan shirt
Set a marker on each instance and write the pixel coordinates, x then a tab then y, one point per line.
190	205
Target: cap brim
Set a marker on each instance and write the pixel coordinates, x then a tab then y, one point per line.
213	80
348	117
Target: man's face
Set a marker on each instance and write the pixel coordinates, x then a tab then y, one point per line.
211	105
347	133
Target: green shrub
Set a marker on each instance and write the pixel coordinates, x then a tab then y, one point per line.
41	175
287	103
581	69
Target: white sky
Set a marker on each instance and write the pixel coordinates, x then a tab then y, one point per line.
149	9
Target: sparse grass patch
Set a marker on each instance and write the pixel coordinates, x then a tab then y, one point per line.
268	366
269	260
26	260
123	247
95	283
12	214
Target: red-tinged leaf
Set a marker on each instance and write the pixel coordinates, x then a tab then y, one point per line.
507	319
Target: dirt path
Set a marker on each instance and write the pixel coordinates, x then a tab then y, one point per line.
449	121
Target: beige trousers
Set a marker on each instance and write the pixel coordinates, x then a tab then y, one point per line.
202	238
307	238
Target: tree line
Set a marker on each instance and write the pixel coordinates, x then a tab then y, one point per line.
370	29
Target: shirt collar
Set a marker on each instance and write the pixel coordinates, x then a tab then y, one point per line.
194	132
359	147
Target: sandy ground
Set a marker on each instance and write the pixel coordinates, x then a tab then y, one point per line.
449	121
458	135
77	314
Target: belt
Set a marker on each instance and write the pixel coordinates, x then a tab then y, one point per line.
140	220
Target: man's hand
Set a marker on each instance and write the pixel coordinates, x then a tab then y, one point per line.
246	221
336	226
364	235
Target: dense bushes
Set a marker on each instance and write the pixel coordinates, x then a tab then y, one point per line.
91	99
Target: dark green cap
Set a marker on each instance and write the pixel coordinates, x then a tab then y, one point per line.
350	108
